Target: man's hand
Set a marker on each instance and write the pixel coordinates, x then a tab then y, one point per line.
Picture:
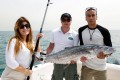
73	62
102	55
83	59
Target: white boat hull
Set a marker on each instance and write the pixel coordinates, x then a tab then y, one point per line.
44	71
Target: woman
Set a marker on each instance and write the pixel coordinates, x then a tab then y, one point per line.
19	51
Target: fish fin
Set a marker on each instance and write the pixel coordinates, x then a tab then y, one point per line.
71	47
66	66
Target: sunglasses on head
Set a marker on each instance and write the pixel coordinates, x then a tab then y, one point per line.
25	25
91	8
65	20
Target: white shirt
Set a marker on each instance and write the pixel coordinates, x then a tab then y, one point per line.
62	40
97	38
23	57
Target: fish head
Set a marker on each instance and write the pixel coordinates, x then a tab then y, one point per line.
109	50
104	49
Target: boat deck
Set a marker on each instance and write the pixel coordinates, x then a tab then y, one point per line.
44	71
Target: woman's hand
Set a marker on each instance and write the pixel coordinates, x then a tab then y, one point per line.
24	70
39	35
28	72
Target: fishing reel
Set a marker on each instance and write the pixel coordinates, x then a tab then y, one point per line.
40	56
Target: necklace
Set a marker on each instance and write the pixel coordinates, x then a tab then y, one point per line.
91	34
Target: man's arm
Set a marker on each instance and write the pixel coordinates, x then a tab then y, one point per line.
50	48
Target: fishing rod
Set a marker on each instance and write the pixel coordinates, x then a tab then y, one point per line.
36	47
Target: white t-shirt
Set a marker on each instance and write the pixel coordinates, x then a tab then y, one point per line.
99	36
23	57
62	40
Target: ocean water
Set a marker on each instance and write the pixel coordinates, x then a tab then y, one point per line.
44	42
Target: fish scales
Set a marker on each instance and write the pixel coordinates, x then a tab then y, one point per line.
74	53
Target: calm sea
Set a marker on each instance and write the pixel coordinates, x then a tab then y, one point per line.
5	36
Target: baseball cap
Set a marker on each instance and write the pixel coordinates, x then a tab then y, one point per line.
66	16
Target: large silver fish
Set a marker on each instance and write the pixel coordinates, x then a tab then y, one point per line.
74	53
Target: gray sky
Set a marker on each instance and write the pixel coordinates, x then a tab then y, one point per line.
33	10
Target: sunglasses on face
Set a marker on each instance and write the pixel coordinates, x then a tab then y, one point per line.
27	26
66	20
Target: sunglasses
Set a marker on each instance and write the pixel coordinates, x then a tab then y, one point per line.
91	8
65	20
23	26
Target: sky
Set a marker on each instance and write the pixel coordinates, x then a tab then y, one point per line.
33	10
